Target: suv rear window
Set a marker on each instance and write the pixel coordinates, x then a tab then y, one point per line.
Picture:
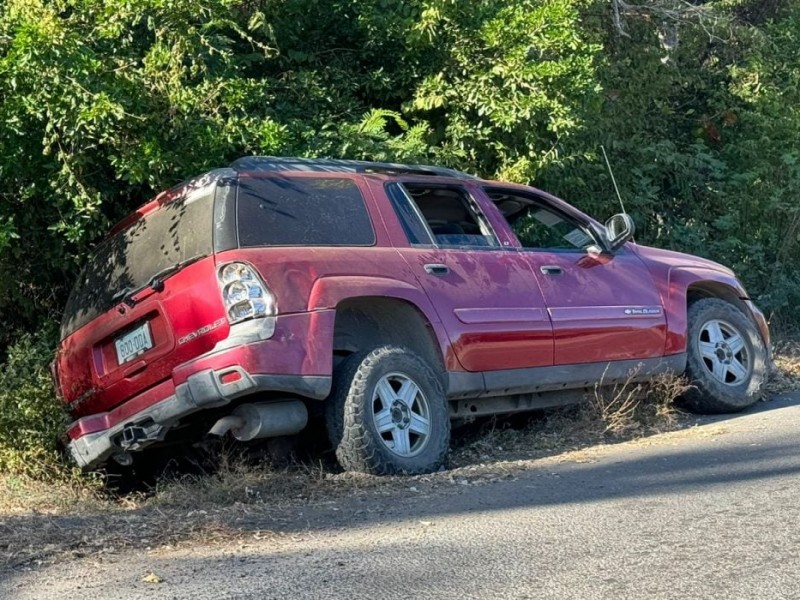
178	231
295	211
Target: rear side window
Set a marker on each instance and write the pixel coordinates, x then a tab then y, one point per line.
179	231
451	217
290	211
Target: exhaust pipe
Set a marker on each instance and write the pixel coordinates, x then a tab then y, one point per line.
225	424
263	420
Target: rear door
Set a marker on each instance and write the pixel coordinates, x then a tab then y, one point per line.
603	306
492	310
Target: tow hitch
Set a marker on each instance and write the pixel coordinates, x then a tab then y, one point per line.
135	437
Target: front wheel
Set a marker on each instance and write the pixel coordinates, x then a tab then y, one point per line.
387	414
727	359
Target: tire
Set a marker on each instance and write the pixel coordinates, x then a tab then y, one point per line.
726	359
361	401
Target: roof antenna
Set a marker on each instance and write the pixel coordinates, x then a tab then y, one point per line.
613	180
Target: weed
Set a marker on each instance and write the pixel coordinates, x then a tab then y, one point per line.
632	409
785	377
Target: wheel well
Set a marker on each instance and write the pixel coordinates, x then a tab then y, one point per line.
712	289
368	322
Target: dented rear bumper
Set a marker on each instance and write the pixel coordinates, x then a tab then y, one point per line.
251	361
100	436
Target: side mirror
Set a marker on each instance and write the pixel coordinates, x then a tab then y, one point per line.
619	229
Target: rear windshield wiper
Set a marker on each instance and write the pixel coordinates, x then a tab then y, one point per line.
155	283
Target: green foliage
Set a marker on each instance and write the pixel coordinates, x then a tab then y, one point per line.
105	102
509	84
704	141
31	419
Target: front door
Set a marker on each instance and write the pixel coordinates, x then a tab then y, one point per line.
603	306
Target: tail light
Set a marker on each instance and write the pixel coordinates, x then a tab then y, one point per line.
244	294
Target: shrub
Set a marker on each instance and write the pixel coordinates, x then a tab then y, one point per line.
31	419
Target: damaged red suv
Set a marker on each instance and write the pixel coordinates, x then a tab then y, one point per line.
392	298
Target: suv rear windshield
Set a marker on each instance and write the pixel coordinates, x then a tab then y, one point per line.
299	211
178	231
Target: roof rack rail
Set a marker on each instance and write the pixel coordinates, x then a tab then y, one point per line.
287	164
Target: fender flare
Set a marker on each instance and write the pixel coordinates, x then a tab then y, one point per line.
676	304
328	292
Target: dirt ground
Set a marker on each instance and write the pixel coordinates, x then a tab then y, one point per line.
707	510
46	523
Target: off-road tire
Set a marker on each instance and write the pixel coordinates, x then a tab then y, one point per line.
351	427
707	394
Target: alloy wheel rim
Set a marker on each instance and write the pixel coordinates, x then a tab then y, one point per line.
401	414
724	352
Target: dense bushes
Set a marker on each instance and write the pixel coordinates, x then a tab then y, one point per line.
705	142
31	421
102	103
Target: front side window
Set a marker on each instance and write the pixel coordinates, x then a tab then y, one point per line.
540	227
302	211
447	215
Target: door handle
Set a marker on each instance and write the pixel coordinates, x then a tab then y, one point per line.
435	269
551	270
134	369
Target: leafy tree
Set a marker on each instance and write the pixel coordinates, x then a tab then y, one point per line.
105	102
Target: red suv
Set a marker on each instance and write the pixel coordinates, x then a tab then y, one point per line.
393	297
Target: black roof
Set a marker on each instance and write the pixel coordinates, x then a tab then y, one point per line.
277	164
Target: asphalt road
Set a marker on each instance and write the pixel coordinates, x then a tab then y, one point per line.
711	512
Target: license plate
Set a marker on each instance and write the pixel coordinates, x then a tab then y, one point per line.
133	343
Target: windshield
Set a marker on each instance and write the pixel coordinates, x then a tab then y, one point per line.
178	231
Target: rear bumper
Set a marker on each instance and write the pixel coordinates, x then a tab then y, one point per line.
100	436
250	362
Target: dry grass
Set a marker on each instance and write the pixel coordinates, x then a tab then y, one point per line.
786	375
636	409
610	414
47	521
24	494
